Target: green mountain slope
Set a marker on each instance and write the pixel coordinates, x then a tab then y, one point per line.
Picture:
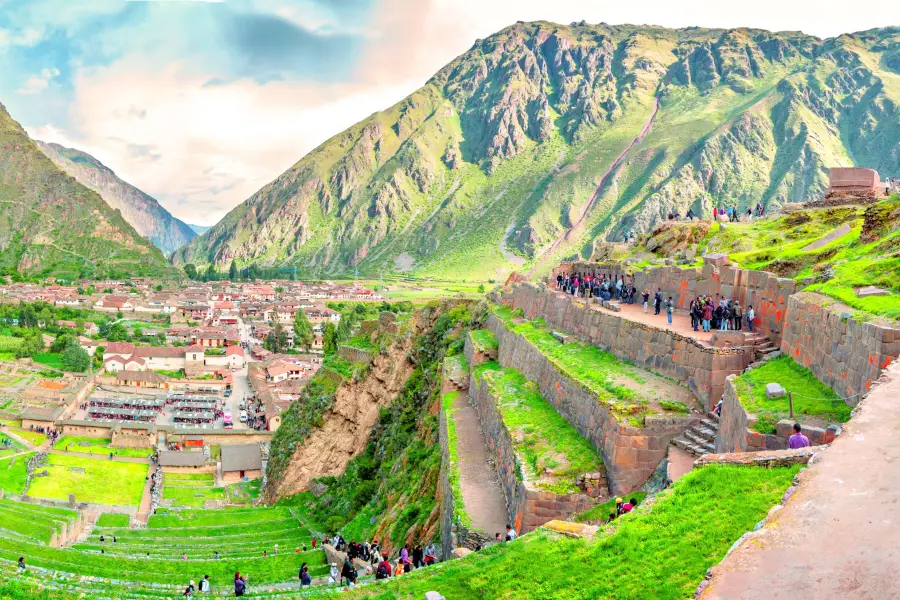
141	211
52	225
544	138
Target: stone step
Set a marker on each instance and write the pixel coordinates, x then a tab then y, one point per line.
699	441
711	424
688	446
707	433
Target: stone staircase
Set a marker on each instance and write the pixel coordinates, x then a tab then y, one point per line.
701	438
761	344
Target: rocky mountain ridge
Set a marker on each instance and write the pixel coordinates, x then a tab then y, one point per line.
141	211
544	138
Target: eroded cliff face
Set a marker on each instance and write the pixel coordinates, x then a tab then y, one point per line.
346	427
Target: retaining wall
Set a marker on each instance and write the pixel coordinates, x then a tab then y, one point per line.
842	352
767	292
630	454
527	507
703	368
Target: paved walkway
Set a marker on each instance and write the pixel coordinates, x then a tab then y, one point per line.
143	512
681	322
103	456
478	480
839	534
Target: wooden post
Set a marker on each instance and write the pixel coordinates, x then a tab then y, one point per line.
791	403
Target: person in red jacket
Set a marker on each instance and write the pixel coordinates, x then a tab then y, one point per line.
383	570
707	315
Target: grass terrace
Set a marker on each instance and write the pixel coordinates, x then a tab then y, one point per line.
551	451
34	522
112	520
191	490
459	506
100	446
93	480
49	359
630	392
9	446
13	471
32	436
661	551
484	340
814	402
601	511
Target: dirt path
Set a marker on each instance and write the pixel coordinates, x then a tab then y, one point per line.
837	535
143	513
103	456
478	479
580	221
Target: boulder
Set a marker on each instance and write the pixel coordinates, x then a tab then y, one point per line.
871	290
717	259
461	552
775	390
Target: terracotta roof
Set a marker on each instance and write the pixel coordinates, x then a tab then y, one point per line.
125	348
159	352
234	350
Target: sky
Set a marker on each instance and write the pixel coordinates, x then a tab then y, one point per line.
201	103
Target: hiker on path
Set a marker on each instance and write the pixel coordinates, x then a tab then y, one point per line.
418	556
189	590
430	554
314	543
404	557
383	571
737	316
646	299
798	440
657	301
348	572
333	574
670	308
304	576
750	317
205	585
240	584
21	564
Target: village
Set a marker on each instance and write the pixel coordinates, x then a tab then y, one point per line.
189	378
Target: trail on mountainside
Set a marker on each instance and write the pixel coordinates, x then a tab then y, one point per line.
579	222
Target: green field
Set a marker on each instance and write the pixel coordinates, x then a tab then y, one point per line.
102	482
50	359
12	473
812	398
99	446
32	436
661	552
191	490
37	523
9	446
553	452
113	520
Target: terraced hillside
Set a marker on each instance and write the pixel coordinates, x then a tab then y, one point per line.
544	138
51	225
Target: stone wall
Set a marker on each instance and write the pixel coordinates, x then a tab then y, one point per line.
448	538
842	352
527	507
767	292
630	454
355	355
703	368
768	459
133	440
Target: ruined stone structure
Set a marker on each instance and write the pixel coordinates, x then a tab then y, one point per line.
631	454
842	352
702	367
852	179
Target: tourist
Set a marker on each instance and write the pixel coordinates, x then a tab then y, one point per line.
629	506
430	554
715	213
418	556
304	576
750	317
21	564
240	585
670	308
114	539
612	517
348	572
646	299
189	590
798	440
184	556
102	539
737	315
510	533
314	543
726	317
718	409
383	571
333	574
276	549
707	315
749	214
690	214
696	313
205	586
265	554
216	555
657	301
619	504
404	558
559	280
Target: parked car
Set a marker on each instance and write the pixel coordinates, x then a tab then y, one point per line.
227	393
243	416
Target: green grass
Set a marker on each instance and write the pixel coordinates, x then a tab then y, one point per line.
661	553
459	506
203	518
33	521
192	496
50	359
113	520
484	340
244	492
13	472
612	379
102	482
179	374
601	511
812	398
9	345
9	445
32	436
545	441
99	446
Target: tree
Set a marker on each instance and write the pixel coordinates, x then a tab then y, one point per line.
303	333
61	342
27	317
344	330
329	338
232	271
158	287
277	340
32	343
98	357
191	271
76	358
210	274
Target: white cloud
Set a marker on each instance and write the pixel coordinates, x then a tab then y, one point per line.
38	83
202	149
28	37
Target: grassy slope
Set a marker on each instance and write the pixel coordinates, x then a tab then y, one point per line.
661	552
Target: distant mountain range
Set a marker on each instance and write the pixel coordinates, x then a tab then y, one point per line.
198	229
143	212
543	139
51	225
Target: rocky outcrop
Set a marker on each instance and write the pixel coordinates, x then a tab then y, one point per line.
141	211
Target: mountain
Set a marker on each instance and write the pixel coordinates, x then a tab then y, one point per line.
51	225
143	212
543	138
198	229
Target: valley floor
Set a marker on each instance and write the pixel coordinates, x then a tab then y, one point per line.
837	536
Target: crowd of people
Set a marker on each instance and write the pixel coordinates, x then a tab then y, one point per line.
722	314
603	286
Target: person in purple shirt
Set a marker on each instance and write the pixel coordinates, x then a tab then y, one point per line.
798	440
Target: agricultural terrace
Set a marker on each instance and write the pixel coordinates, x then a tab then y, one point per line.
662	550
815	403
9	446
484	340
190	490
100	446
630	392
459	505
552	452
93	480
35	523
13	471
154	555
